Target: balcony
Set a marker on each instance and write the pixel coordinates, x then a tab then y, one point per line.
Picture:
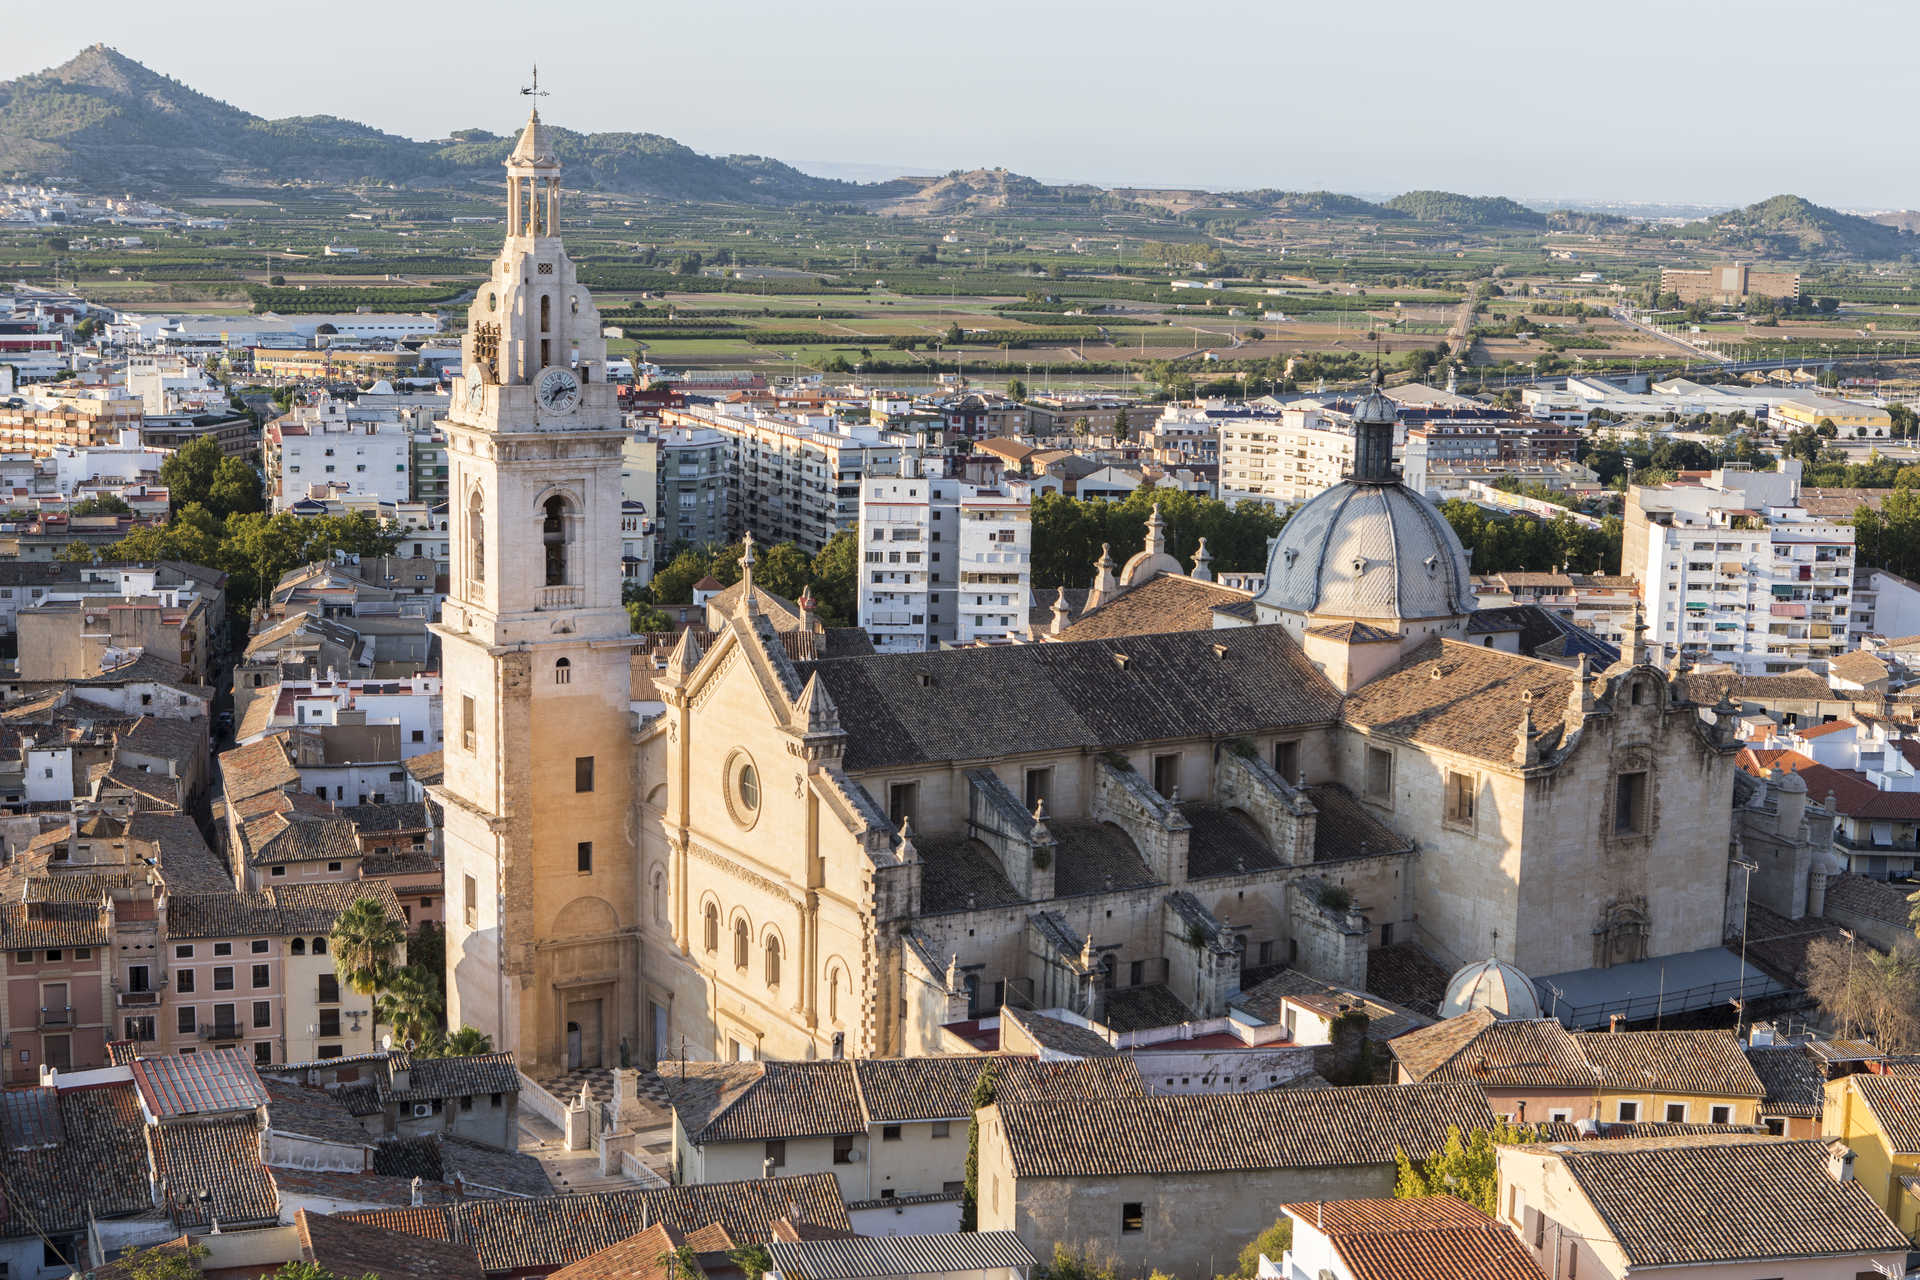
221	1031
559	597
136	999
56	1017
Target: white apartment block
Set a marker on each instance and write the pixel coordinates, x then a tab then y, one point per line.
795	478
1732	569
942	562
1286	458
316	451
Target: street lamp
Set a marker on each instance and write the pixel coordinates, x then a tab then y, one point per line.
1746	906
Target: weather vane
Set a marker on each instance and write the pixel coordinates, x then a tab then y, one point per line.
534	90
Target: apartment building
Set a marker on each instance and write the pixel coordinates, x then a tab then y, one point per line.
1288	457
681	475
1733	569
793	477
40	419
318	447
942	562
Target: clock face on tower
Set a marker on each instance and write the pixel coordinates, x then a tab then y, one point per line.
557	390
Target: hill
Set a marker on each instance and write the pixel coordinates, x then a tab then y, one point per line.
1787	226
1314	204
1466	211
105	120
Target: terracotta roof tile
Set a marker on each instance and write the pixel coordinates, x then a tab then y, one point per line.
222	1159
348	1248
1697	1062
1162	604
1430	1238
1462	698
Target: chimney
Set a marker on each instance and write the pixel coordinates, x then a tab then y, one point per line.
1840	1163
766	1167
1613	1022
414	1188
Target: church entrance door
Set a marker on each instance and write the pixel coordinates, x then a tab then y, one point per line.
583	1035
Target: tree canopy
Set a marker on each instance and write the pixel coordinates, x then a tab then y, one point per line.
1069	532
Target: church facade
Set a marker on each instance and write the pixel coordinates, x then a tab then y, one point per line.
805	855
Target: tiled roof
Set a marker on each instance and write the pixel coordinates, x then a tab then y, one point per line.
258	767
283	838
764	1101
1096	857
1792	1077
1429	1238
1477	1048
1143	1008
1859	666
645	1256
484	1168
212	1080
219	1159
1031	1080
1161	604
1895	1103
25	927
312	908
1224	1133
1055	1035
1408	976
222	915
427	768
404	816
1702	1201
1697	1062
1706	688
1222	843
553	1231
430	1078
1345	828
1864	896
898	708
187	863
897	1089
1463	698
960	873
311	1113
348	1248
868	1258
100	1168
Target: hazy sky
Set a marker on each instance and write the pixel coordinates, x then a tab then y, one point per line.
1656	100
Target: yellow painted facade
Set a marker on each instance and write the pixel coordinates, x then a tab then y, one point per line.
1878	1163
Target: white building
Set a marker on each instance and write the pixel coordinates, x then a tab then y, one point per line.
1732	569
1287	458
942	562
316	449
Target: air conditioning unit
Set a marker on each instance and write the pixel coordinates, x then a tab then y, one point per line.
421	1109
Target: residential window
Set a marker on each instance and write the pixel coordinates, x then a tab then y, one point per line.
1459	802
473	902
583	857
184	952
1286	760
223	948
1630	803
777	1153
843	1150
1629	1113
1720	1115
1676	1113
329	1022
223	978
889	1133
1516	1205
183	982
1776	1126
262	1053
327	990
1379	775
1133	1218
583	773
263	1013
259	976
940	1128
259	945
1166	774
1039	787
183	1021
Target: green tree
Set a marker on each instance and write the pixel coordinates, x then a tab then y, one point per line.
1465	1168
170	1261
1122	428
643	618
194	535
189	472
984	1090
304	1270
836	579
1016	389
410	1003
783	569
363	944
953	337
1067	1264
1273	1242
236	488
753	1260
673	582
105	504
1889	538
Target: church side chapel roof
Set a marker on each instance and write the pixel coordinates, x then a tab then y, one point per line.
1222	843
901	708
1544	633
1345	828
1096	857
1462	697
960	873
1144	1008
1161	604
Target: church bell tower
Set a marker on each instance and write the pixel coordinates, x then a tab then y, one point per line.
537	792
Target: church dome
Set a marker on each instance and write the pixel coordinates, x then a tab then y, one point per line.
1494	985
1368	550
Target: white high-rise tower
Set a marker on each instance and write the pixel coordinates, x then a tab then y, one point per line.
541	952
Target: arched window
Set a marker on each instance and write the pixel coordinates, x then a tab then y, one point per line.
299	946
742	943
477	538
546	313
773	961
319	946
553	534
833	996
713	927
660	896
562	671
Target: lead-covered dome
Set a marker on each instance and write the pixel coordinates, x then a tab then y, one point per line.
1368	550
1494	985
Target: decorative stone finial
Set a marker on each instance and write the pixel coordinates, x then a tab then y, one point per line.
1526	751
1202	563
815	713
1105	585
1156	533
955	983
1062	614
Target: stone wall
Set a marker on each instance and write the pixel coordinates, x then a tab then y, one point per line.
1123	797
1250	784
1332	941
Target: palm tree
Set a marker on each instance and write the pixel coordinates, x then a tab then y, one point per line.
468	1043
410	1004
363	943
